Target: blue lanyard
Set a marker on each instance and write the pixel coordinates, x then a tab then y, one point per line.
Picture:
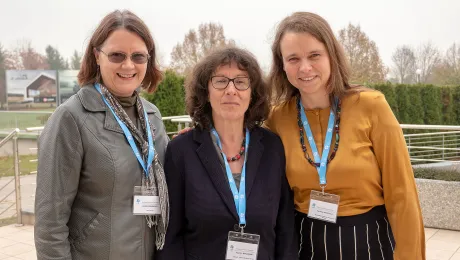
238	196
130	138
327	144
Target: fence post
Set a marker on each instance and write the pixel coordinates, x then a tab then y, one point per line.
17	179
443	147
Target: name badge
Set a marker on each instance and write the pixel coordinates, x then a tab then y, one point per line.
144	203
242	246
323	206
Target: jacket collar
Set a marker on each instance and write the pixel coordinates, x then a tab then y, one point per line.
209	157
92	101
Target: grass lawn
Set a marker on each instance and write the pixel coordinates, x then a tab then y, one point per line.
11	120
8	221
25	167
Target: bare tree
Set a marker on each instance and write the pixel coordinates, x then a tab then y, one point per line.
404	64
196	45
30	58
448	71
427	58
363	56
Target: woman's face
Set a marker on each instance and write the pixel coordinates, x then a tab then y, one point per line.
122	76
229	100
306	63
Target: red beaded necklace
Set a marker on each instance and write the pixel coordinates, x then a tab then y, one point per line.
238	156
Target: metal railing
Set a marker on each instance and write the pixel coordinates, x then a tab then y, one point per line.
17	183
432	147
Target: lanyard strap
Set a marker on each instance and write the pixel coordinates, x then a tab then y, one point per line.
130	138
327	143
238	196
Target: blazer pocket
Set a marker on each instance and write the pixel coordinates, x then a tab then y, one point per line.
87	230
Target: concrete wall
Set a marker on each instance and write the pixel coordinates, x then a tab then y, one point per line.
440	202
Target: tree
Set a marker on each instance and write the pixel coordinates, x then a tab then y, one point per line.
12	61
196	45
169	97
75	60
427	58
404	64
3	57
31	59
54	59
363	56
449	71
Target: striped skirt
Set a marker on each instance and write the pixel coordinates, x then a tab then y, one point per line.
365	236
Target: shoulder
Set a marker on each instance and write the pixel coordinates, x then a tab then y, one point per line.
280	115
183	140
268	138
283	108
71	110
368	100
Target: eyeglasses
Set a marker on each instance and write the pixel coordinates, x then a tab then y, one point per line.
119	57
221	82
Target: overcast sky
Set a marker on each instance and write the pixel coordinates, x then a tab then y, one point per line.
68	24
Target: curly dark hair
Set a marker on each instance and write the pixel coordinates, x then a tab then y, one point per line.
197	93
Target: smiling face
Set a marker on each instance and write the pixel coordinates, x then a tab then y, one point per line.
122	78
229	103
306	63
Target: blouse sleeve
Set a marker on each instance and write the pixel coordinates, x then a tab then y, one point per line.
399	189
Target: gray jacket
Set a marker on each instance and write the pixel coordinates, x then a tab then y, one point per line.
86	176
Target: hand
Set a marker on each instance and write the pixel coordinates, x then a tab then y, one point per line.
183	131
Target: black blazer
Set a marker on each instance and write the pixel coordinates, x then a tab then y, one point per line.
202	207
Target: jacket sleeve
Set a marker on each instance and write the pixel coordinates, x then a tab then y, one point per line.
174	244
286	242
399	189
60	156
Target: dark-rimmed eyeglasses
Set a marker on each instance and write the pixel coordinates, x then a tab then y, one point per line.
119	57
221	82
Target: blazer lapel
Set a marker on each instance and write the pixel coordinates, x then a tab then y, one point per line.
209	157
256	149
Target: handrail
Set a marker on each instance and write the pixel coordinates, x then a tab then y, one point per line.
9	137
430	127
14	135
428	134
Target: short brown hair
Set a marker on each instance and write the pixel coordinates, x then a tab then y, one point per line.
196	87
115	20
305	22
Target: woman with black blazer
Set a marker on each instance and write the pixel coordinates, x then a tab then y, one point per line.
229	196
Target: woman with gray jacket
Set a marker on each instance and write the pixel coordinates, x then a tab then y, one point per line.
101	190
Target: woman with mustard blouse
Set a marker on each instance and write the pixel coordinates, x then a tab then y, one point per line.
346	157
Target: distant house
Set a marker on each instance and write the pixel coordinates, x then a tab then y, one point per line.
31	87
42	86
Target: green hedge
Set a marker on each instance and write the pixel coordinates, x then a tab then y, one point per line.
169	97
437	174
423	104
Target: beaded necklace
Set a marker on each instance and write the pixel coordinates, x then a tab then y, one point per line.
302	139
238	156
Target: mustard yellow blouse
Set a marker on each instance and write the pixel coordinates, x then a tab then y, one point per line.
371	167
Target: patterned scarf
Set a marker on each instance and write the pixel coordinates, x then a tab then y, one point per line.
155	181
